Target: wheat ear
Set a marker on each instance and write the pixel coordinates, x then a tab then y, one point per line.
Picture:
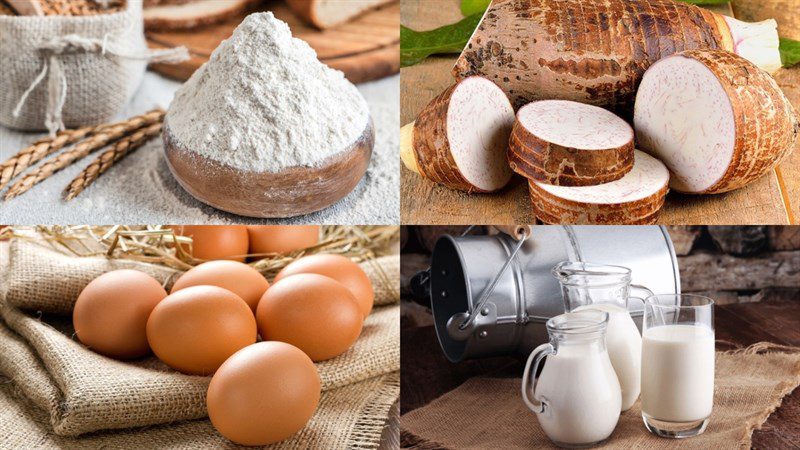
38	150
102	163
97	141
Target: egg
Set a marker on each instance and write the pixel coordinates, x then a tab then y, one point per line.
195	329
110	314
340	269
215	241
281	238
315	313
234	276
263	394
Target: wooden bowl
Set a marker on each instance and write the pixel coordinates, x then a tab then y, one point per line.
290	192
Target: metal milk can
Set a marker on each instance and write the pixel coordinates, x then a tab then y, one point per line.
526	294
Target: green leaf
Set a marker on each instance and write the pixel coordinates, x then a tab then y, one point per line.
418	45
790	52
470	7
706	2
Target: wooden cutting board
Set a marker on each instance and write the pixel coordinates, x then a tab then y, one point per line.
365	49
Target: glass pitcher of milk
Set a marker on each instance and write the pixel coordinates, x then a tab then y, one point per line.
586	286
677	364
576	397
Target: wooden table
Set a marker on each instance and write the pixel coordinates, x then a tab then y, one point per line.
774	199
428	375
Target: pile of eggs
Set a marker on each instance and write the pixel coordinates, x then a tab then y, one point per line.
209	323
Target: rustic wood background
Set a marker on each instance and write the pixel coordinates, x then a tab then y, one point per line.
773	199
752	272
365	49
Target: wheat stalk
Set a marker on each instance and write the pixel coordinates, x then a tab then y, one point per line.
97	141
107	159
38	150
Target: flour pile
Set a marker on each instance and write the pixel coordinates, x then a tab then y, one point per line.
263	102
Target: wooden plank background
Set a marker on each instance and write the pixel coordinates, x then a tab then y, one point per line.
774	199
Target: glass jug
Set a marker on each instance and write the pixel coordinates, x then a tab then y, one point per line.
577	396
585	283
586	286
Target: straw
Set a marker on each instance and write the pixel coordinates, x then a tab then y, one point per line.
156	244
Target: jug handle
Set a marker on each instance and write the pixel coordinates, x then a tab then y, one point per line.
538	354
639	287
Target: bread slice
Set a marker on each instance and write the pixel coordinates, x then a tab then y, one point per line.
172	16
329	13
6	10
151	3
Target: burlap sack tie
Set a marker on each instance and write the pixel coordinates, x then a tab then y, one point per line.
53	49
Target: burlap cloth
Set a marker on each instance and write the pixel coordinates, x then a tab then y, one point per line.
60	389
489	413
98	59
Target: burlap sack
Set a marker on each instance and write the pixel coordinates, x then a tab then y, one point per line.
71	71
68	275
89	392
489	413
385	268
351	417
41	278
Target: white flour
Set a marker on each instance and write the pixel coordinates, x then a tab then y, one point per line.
263	102
141	189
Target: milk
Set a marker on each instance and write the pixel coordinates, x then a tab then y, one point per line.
582	395
678	372
624	348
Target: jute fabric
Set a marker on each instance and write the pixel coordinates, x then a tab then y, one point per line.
489	413
79	391
72	71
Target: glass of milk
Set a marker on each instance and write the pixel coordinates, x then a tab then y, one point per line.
576	397
587	286
677	364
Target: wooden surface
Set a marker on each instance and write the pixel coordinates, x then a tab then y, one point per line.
773	199
365	49
428	375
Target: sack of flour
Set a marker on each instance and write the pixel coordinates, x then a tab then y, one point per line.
71	71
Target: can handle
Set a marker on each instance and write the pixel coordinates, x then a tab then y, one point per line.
515	231
487	291
529	377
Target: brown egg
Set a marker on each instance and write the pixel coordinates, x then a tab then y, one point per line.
234	276
340	269
263	394
110	315
215	241
196	329
315	313
282	238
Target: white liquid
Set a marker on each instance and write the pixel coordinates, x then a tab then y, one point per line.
678	372
582	395
624	348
